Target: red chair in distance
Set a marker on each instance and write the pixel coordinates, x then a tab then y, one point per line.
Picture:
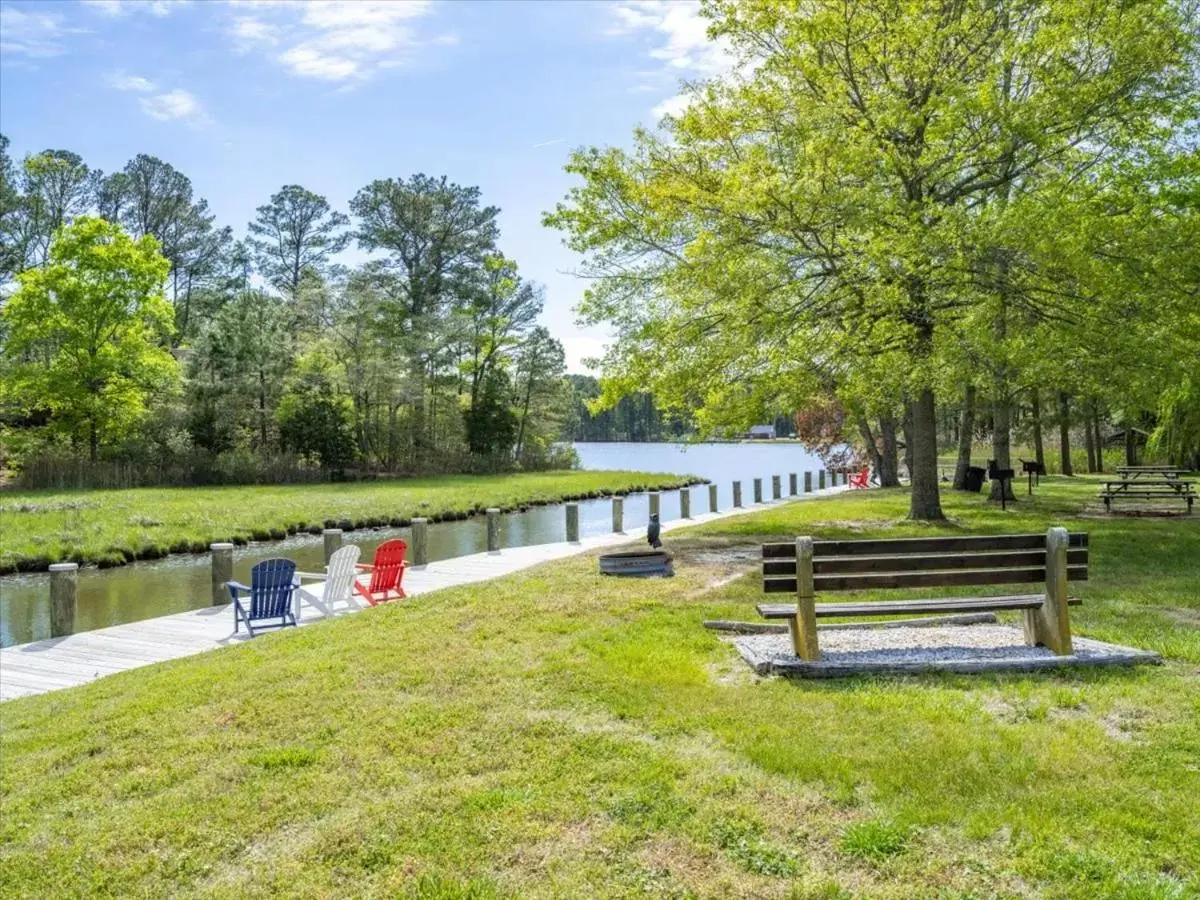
860	480
387	571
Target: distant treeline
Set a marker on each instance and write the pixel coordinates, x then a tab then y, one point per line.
634	418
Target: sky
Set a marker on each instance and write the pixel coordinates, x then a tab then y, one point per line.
246	96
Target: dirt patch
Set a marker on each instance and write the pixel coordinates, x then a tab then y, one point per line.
720	556
1188	617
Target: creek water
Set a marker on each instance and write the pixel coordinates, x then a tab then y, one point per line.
181	582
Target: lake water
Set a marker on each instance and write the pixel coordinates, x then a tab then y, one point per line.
179	583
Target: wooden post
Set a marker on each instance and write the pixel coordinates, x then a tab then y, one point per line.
792	491
420	542
618	515
573	522
64	582
737	493
821	480
333	542
758	490
1049	624
655	496
808	482
776	488
804	625
222	572
712	498
493	530
685	503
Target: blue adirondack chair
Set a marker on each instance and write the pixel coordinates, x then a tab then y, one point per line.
273	584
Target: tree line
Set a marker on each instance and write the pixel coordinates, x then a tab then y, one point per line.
898	212
137	329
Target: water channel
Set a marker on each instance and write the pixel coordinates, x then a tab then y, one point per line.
182	582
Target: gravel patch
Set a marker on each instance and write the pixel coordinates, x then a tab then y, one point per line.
950	648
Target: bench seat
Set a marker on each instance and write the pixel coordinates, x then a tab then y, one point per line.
804	567
1013	602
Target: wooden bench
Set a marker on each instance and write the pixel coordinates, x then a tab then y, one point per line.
805	566
1166	488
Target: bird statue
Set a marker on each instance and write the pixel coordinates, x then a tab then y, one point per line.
653	530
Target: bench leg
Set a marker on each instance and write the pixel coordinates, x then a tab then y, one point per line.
1049	624
803	627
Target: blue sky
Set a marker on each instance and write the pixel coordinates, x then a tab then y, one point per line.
246	96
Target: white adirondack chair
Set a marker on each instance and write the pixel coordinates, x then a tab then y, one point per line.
335	593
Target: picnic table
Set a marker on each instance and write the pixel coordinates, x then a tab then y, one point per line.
1131	473
1148	483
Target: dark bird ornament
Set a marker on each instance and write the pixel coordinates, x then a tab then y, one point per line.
653	530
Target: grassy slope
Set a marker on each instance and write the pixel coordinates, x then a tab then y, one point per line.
555	734
41	527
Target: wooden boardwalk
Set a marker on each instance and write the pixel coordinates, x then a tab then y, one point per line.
76	659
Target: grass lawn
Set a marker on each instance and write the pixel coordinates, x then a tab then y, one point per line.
555	734
112	527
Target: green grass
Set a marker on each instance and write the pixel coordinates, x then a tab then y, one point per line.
113	527
556	734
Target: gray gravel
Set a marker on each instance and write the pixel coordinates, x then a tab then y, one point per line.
950	648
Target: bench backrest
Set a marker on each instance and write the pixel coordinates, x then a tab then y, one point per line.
921	562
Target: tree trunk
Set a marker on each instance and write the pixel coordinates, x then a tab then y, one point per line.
889	453
93	441
906	426
966	431
1089	442
1039	452
864	429
1130	446
1001	440
1099	438
1064	432
926	502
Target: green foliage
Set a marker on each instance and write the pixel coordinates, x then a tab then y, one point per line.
857	206
85	333
491	423
874	840
294	231
315	413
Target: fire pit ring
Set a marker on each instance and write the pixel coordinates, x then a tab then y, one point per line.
637	562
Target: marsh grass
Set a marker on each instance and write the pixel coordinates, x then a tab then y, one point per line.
559	734
112	527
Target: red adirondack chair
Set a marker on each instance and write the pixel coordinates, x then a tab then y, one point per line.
387	571
861	479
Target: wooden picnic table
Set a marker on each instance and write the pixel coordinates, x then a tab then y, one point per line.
1131	473
1148	488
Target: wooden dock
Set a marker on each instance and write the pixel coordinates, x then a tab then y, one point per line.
76	659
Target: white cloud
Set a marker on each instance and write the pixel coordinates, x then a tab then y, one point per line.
30	33
249	32
123	81
121	7
678	38
176	105
334	40
672	106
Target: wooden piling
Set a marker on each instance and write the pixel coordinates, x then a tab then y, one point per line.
333	542
776	488
493	530
618	515
737	494
420	542
712	498
222	572
758	490
64	584
573	522
792	485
